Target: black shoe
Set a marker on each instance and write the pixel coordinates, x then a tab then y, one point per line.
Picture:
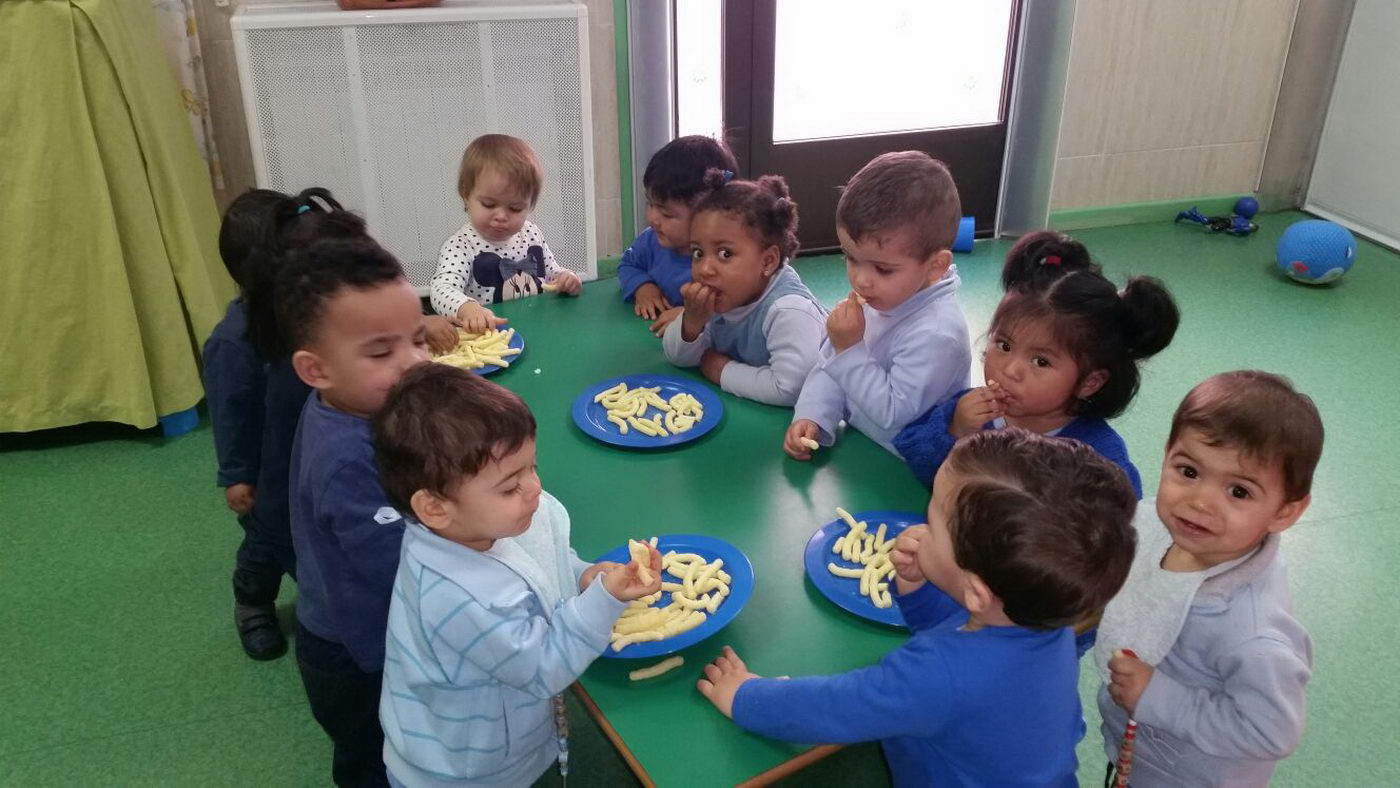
258	631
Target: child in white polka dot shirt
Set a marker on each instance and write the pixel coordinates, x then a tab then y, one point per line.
498	254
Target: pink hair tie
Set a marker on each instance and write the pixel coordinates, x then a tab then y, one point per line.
1050	259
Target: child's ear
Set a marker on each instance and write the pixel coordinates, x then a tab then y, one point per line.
1091	384
1288	514
940	261
430	510
771	260
977	597
309	368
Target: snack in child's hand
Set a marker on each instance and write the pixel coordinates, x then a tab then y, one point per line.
872	552
475	351
809	443
627	407
641	553
702	587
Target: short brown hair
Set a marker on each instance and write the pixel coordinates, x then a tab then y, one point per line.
907	190
511	156
440	424
1045	522
1263	416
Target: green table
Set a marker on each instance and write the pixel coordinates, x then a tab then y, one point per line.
736	484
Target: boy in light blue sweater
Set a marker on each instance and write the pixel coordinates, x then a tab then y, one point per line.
899	344
1201	647
493	614
1025	534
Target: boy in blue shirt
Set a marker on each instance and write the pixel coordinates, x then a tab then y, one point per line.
492	609
1025	534
657	263
236	384
355	325
899	343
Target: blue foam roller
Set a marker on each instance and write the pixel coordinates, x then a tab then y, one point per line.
966	227
179	423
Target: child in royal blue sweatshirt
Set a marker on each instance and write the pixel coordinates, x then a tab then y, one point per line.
1062	357
657	263
355	325
1024	535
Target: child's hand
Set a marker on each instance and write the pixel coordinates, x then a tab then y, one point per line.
586	579
649	302
239	498
796	432
905	557
566	283
1128	679
699	308
722	680
624	584
658	327
977	407
845	326
442	334
477	319
712	365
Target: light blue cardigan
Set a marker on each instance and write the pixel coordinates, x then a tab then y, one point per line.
478	644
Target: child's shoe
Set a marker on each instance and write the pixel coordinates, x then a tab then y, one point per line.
258	631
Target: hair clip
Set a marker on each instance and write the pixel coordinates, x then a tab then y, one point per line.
1050	259
303	209
726	176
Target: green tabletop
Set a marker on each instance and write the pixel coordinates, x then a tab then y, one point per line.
735	484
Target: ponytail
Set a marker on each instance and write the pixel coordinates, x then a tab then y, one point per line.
765	206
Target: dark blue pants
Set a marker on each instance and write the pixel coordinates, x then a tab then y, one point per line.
263	557
345	701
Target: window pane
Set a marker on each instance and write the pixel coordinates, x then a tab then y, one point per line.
879	66
699	84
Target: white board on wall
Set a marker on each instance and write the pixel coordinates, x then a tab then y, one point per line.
1356	176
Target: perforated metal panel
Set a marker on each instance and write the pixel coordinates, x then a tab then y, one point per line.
379	112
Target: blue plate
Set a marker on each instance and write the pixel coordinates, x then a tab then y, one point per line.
592	417
516	341
845	591
707	547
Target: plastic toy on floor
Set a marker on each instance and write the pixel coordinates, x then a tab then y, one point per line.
1234	224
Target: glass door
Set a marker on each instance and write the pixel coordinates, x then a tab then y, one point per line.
814	90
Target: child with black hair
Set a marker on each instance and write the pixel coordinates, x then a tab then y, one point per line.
657	264
749	322
1025	534
255	400
353	324
1063	357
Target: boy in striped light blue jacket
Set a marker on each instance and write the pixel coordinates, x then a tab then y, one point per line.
493	614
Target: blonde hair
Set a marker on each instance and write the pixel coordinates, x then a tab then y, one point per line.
510	156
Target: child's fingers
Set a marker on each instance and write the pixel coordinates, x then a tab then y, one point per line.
734	659
706	688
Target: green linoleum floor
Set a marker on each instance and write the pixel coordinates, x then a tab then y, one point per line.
119	664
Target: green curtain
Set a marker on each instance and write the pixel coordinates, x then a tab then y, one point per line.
110	278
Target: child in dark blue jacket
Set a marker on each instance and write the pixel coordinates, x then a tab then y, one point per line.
1025	535
1062	357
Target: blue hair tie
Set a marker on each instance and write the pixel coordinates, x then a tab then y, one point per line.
303	209
726	176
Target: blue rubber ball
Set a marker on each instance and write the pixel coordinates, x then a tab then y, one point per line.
1316	252
1246	207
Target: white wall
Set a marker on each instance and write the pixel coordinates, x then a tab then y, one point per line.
1168	99
230	131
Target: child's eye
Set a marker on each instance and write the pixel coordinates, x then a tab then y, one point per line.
1239	492
1041	361
696	254
1187	471
883	271
1003	346
725	254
